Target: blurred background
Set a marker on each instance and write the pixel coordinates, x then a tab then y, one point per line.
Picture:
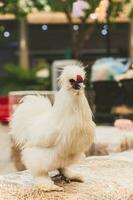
38	38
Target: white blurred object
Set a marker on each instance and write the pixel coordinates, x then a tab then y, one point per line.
44	73
127	75
57	68
93	16
100	73
109	68
108	139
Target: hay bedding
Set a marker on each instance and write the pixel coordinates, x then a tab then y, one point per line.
107	179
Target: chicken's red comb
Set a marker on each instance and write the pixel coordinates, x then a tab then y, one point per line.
79	78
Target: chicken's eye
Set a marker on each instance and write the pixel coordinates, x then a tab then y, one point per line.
72	81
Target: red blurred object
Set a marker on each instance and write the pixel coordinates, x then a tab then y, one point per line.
4	109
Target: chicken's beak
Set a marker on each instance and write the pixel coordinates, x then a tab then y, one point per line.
75	84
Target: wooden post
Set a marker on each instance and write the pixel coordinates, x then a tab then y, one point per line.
23	48
131	40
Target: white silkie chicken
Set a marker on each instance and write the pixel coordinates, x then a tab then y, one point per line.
55	137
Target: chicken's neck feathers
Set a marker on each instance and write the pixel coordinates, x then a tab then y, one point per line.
67	104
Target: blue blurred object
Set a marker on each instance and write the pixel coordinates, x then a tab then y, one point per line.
107	68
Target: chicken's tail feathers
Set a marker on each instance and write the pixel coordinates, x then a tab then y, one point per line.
43	103
30	106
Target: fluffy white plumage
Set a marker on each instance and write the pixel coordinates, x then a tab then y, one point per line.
54	137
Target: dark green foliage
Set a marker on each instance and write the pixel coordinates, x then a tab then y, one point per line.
18	78
57	5
93	4
39	4
13	6
60	5
127	1
115	9
131	14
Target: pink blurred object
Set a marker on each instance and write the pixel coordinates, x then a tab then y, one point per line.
124	124
78	8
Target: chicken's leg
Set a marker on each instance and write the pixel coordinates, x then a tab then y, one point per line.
63	177
70	174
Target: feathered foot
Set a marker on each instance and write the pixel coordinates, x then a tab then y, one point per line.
45	183
72	175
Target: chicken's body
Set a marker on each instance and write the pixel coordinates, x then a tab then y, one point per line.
53	137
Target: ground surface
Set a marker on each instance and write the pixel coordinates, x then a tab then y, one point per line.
107	178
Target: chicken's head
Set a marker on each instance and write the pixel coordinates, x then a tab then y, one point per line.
73	77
